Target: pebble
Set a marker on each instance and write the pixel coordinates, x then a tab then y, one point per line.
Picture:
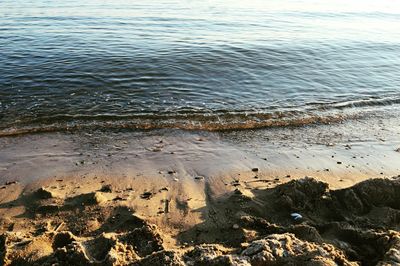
106	188
235	183
235	226
254	169
44	193
146	195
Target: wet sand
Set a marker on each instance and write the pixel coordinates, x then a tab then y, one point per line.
195	198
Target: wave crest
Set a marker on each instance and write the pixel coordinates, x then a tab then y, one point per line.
193	122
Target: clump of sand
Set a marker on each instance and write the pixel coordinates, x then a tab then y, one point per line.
352	226
64	248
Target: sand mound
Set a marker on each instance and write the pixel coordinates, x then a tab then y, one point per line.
362	221
66	249
353	226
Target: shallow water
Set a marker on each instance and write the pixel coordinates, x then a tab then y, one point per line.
194	64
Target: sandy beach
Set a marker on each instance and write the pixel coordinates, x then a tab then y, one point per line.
197	132
202	198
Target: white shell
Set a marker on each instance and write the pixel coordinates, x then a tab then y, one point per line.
296	216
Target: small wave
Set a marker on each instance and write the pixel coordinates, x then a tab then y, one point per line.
367	103
371	101
202	119
209	122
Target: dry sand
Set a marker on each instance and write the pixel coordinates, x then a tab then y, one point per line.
117	225
187	198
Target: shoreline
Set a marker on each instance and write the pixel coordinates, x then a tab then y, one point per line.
176	187
351	151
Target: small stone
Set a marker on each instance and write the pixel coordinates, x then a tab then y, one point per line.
235	226
44	193
171	172
146	195
339	162
106	188
235	183
254	169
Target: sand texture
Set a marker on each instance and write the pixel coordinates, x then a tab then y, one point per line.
353	226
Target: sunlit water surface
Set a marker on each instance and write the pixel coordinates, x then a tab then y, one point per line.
194	64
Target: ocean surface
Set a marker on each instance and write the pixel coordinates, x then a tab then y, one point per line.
194	64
